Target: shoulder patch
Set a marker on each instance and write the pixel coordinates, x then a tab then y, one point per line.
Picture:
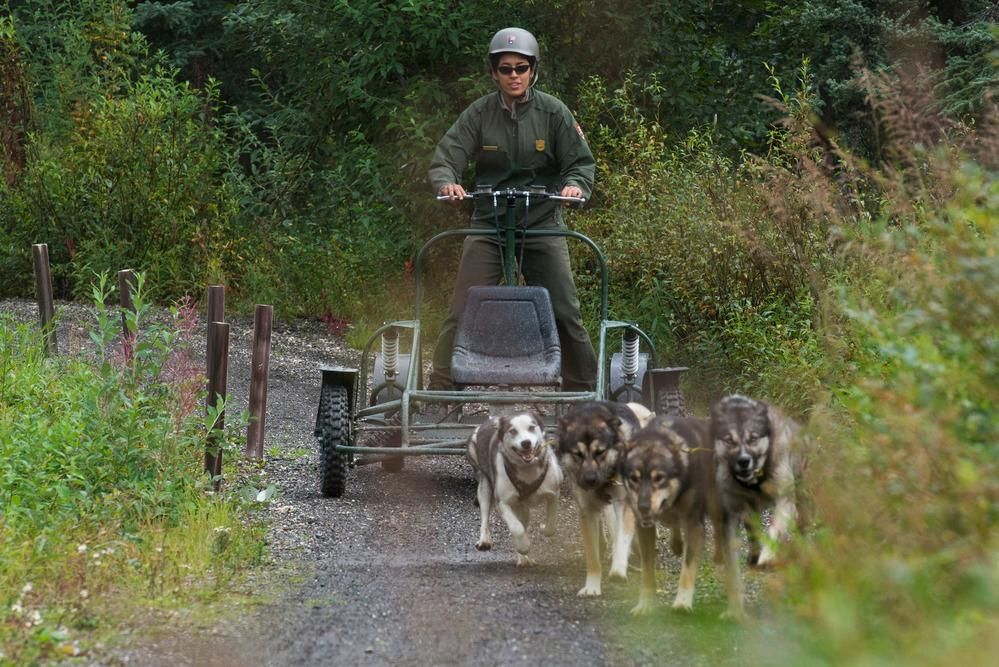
579	131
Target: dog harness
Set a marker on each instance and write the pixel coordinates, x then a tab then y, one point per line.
525	490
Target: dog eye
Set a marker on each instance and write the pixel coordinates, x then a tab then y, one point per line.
658	478
635	478
599	453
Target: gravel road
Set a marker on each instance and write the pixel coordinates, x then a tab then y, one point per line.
389	574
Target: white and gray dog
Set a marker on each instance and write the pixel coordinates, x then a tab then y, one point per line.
517	470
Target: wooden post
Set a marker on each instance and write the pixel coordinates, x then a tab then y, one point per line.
258	380
126	292
218	364
216	303
43	288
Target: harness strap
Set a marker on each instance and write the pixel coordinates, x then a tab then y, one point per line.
524	490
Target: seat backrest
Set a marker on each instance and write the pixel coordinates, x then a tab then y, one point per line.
507	335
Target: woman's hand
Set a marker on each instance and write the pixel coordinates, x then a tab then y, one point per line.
572	191
452	191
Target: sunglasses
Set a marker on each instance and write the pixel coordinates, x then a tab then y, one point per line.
507	70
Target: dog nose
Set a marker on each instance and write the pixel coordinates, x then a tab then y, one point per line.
525	444
744	461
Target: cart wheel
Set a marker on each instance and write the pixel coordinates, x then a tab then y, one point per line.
671	403
334	430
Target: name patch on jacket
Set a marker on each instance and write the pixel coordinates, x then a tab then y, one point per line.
539	145
490	148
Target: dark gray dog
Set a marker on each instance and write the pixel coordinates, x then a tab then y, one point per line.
756	470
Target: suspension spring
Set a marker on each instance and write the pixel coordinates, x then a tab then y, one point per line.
629	355
390	353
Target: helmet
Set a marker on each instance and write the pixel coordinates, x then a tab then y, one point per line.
514	40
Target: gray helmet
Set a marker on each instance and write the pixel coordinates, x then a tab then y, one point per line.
514	40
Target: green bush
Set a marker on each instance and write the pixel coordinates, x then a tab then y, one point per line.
105	504
138	184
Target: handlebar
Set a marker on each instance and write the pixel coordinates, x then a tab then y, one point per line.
514	193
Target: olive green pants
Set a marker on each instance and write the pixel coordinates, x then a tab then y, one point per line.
545	263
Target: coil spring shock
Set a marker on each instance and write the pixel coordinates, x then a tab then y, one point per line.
629	355
390	354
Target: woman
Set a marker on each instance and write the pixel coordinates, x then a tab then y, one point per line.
517	137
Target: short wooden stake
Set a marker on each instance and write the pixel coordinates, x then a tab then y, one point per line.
258	380
43	288
218	364
126	293
216	303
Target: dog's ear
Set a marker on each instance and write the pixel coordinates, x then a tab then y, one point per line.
621	430
663	426
563	423
783	430
503	425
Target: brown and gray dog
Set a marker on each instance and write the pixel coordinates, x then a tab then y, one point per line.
757	466
517	470
668	469
589	447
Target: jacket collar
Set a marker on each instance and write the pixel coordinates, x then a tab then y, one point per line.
517	103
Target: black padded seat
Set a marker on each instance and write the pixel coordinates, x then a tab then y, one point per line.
507	336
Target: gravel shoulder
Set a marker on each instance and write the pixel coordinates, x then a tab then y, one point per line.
389	574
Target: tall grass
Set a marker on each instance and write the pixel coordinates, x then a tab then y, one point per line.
105	509
903	566
716	260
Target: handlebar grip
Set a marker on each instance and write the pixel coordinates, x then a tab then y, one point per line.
500	194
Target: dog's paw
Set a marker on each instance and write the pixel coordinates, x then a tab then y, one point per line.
522	544
645	606
767	560
589	591
683	605
483	545
619	573
524	561
736	614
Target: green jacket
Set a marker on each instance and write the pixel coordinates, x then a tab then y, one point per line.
536	143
